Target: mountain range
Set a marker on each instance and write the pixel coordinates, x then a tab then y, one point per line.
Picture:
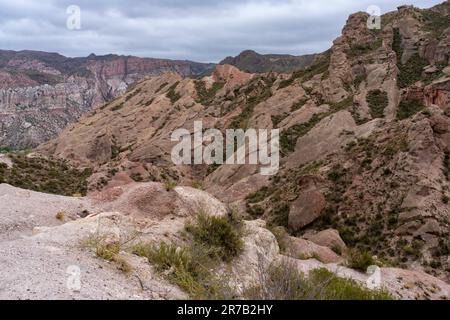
40	92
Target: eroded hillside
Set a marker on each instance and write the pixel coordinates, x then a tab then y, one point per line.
365	139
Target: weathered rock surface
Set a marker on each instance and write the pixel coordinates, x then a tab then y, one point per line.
306	209
303	249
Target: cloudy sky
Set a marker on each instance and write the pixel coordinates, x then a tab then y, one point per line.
201	30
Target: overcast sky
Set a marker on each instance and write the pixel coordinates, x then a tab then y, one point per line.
201	30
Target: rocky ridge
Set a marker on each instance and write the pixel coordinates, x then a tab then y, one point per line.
365	138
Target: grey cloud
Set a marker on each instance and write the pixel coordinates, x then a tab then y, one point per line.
180	29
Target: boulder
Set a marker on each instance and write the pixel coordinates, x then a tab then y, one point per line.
306	209
329	238
303	249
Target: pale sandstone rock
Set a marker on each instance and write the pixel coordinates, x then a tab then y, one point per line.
329	238
303	249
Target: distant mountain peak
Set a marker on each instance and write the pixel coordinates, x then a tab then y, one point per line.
254	62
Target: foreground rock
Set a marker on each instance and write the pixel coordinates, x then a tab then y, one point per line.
43	265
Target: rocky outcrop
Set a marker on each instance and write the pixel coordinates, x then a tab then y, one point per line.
306	209
329	238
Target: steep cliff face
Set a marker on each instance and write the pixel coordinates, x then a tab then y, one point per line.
40	93
365	138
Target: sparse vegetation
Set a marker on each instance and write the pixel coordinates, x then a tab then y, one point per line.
289	137
222	235
192	266
44	175
197	184
285	282
257	91
162	86
117	106
206	96
435	22
299	104
61	215
276	119
361	260
446	165
5	150
411	71
212	167
172	94
320	66
137	177
362	49
377	101
408	108
107	250
169	185
259	195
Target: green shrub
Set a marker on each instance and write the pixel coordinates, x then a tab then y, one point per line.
377	101
289	137
447	111
206	96
360	260
5	150
285	282
191	268
299	104
408	108
172	94
221	234
162	86
170	185
197	184
411	71
361	49
137	177
276	119
259	195
257	91
211	168
44	175
280	214
320	66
